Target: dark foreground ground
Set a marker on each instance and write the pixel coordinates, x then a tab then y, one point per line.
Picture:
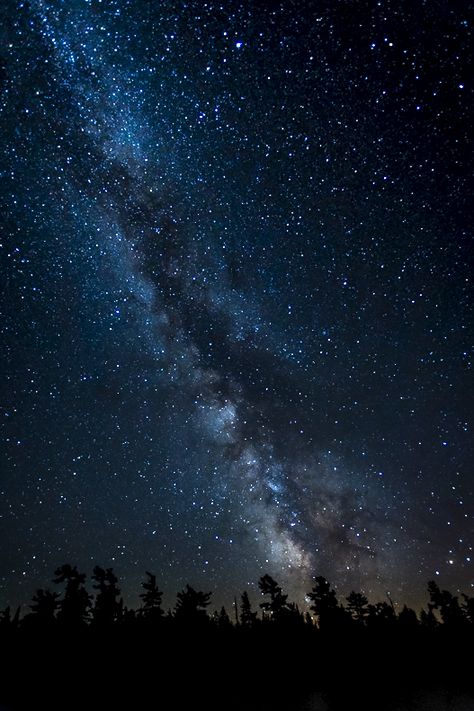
234	671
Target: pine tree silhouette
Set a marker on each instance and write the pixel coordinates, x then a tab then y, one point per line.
191	606
428	618
447	605
221	619
75	605
407	619
277	606
107	606
43	609
247	616
325	605
468	608
7	621
152	597
381	616
357	606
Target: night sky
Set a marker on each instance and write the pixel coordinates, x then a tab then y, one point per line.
236	324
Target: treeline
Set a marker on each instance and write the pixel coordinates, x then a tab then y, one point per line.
73	607
78	646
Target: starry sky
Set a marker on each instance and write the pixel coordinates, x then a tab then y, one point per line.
236	327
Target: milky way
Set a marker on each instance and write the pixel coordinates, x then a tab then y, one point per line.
236	294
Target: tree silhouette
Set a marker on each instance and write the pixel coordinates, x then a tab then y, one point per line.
45	604
224	619
5	617
468	608
407	619
107	605
191	606
381	615
293	616
325	605
428	619
75	605
277	605
447	605
247	616
7	622
221	619
152	598
357	606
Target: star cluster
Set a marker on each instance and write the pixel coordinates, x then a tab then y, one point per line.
236	294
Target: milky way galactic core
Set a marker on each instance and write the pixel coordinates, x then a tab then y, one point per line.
236	317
